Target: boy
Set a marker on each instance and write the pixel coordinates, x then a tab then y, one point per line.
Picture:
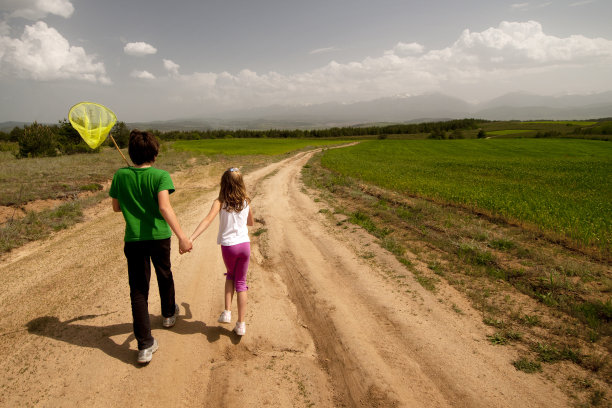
142	194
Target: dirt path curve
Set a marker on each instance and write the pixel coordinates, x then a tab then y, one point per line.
325	326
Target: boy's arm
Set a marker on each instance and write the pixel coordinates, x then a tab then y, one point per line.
116	206
214	210
163	199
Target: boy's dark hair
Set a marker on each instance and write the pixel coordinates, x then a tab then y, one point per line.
143	147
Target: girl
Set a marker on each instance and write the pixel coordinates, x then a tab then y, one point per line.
235	215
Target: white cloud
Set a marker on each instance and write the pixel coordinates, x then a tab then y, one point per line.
529	6
527	45
142	75
36	9
171	66
322	50
139	49
582	3
511	50
44	54
520	6
406	49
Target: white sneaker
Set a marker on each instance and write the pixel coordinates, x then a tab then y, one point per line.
226	316
240	328
170	321
146	355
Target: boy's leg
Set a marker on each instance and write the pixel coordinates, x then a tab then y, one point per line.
160	255
139	273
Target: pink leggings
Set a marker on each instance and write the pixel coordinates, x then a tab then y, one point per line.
236	259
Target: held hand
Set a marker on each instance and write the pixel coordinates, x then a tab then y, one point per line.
185	245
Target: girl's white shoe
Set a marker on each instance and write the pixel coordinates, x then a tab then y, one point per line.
240	328
226	316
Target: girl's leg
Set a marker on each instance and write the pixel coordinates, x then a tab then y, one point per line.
240	272
236	259
229	293
229	259
242	302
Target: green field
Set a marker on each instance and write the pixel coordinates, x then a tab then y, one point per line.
563	122
245	147
508	132
561	186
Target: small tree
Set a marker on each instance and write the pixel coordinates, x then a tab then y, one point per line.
37	140
69	140
456	134
15	134
121	134
481	134
437	134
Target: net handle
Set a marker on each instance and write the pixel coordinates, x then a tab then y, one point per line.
119	150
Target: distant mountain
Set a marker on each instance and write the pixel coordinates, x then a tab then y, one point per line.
594	111
523	99
513	106
399	109
8	126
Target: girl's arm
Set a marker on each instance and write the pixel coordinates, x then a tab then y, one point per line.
214	210
163	198
250	222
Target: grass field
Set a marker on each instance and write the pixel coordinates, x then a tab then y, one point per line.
66	177
242	147
559	186
508	132
563	122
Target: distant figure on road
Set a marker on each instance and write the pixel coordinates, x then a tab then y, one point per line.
233	207
142	194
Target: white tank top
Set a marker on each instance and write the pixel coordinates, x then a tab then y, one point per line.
233	227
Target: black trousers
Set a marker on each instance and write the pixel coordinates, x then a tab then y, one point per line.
139	255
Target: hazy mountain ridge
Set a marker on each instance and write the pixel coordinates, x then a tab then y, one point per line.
400	109
428	107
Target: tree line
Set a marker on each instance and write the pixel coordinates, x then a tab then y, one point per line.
333	132
36	140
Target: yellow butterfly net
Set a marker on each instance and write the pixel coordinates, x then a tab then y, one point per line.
93	122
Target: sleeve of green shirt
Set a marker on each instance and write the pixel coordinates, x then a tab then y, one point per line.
165	183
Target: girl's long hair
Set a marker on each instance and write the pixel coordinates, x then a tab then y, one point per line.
233	195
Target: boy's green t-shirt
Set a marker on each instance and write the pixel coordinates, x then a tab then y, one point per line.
136	189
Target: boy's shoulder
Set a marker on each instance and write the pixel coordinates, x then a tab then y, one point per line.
151	170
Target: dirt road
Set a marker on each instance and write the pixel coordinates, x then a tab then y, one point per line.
326	326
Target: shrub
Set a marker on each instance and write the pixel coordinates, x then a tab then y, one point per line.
37	140
437	134
69	141
456	134
121	134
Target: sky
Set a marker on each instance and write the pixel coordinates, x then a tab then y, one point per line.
157	60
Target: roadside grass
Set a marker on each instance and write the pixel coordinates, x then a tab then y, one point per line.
64	177
82	180
78	180
553	302
559	188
